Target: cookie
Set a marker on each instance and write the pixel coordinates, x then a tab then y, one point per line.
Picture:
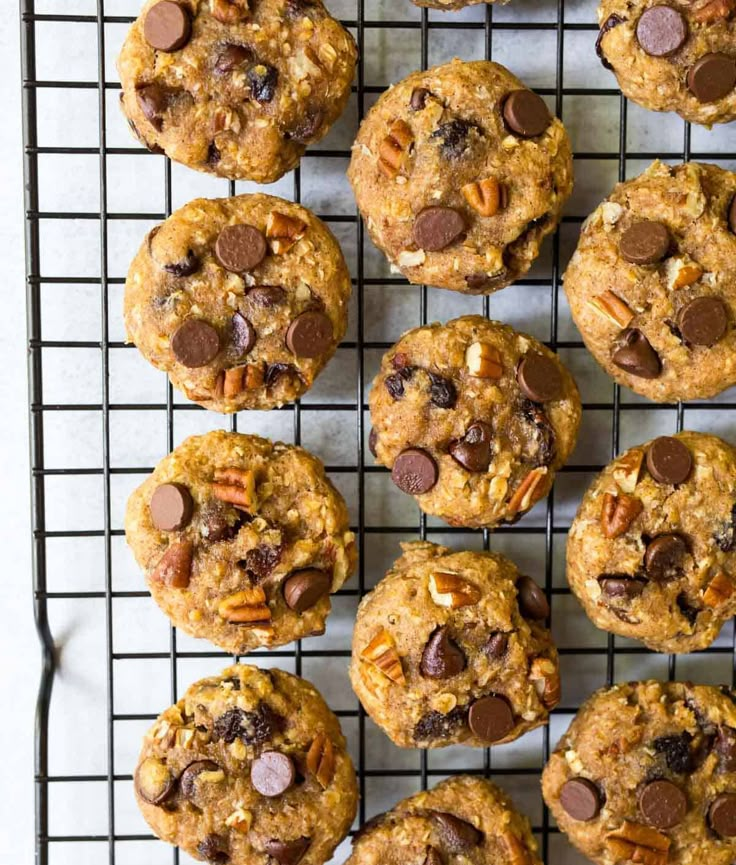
464	820
452	5
473	419
241	540
451	648
233	88
652	284
242	301
650	554
673	56
250	768
647	773
459	173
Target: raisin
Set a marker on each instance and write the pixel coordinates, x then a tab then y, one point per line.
306	129
676	751
213	154
263	79
210	848
538	436
442	391
219	522
725	539
453	137
261	560
186	267
395	382
253	728
611	22
435	725
687	610
274	371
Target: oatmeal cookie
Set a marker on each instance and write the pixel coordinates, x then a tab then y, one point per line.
473	419
452	5
249	768
241	540
242	301
459	173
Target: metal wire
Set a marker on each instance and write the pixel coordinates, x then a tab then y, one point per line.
39	409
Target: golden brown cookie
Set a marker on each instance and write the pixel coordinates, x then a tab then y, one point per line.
249	768
452	5
235	88
459	173
451	648
241	540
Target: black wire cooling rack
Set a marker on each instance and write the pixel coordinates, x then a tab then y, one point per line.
572	26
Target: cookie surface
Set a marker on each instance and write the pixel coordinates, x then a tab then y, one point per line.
250	768
241	540
647	773
652	284
650	554
451	648
473	419
234	88
673	56
242	301
464	820
451	5
459	173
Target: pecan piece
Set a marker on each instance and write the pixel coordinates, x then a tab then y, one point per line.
633	842
525	494
229	11
284	231
611	307
483	360
682	272
236	487
175	566
718	590
240	820
321	760
546	678
626	473
517	850
381	653
618	513
713	10
245	607
486	196
452	590
235	380
394	150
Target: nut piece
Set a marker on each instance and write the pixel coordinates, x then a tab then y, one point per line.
236	487
546	678
175	566
626	473
618	513
284	231
245	607
633	842
485	196
611	307
682	272
381	652
718	590
235	380
713	10
483	360
240	820
452	590
395	148
525	494
321	760
517	850
229	11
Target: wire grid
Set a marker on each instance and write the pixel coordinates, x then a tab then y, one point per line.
57	839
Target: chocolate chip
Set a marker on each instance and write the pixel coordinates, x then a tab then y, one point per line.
167	26
437	227
664	556
240	248
437	725
620	586
442	392
732	215
188	778
418	98
372	441
263	80
645	243
453	137
539	378
661	30
243	334
722	815
287	852
703	321
213	154
725	538
442	658
526	113
676	752
482	281
581	799
153	781
635	355
457	835
171	507
210	849
186	267
662	804
491	718
473	451
195	343
725	747
303	589
266	296
713	77
414	471
253	728
610	22
261	560
533	602
272	773
153	101
310	334
306	130
274	371
689	612
231	57
496	645
669	461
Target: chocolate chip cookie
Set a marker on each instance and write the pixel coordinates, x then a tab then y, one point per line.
652	284
647	773
250	768
451	648
459	173
673	56
462	821
232	87
473	419
241	540
451	5
242	301
650	554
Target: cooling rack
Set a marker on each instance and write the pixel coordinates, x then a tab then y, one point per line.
100	417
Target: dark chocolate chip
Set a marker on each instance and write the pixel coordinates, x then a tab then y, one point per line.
703	321
414	471
453	137
186	267
240	248
713	77
645	242
287	852
610	22
663	804
581	799
195	343
635	355
491	718
266	296
167	26
253	728
539	378
435	726
496	645
243	334
533	602
272	773
418	98
722	815
436	228
620	586
669	461
310	334
676	752
231	57
725	748
171	507
473	451
442	658
153	781
689	612
442	392
457	835
188	778
661	30
261	560
664	557
153	101
263	80
526	113
210	848
303	589
372	441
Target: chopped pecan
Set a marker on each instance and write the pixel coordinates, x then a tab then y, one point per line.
175	566
381	652
395	148
321	760
284	231
240	820
633	842
517	849
525	494
235	380
229	11
618	513
485	196
718	590
628	467
611	307
484	360
546	678
713	10
452	590
236	487
245	607
682	272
